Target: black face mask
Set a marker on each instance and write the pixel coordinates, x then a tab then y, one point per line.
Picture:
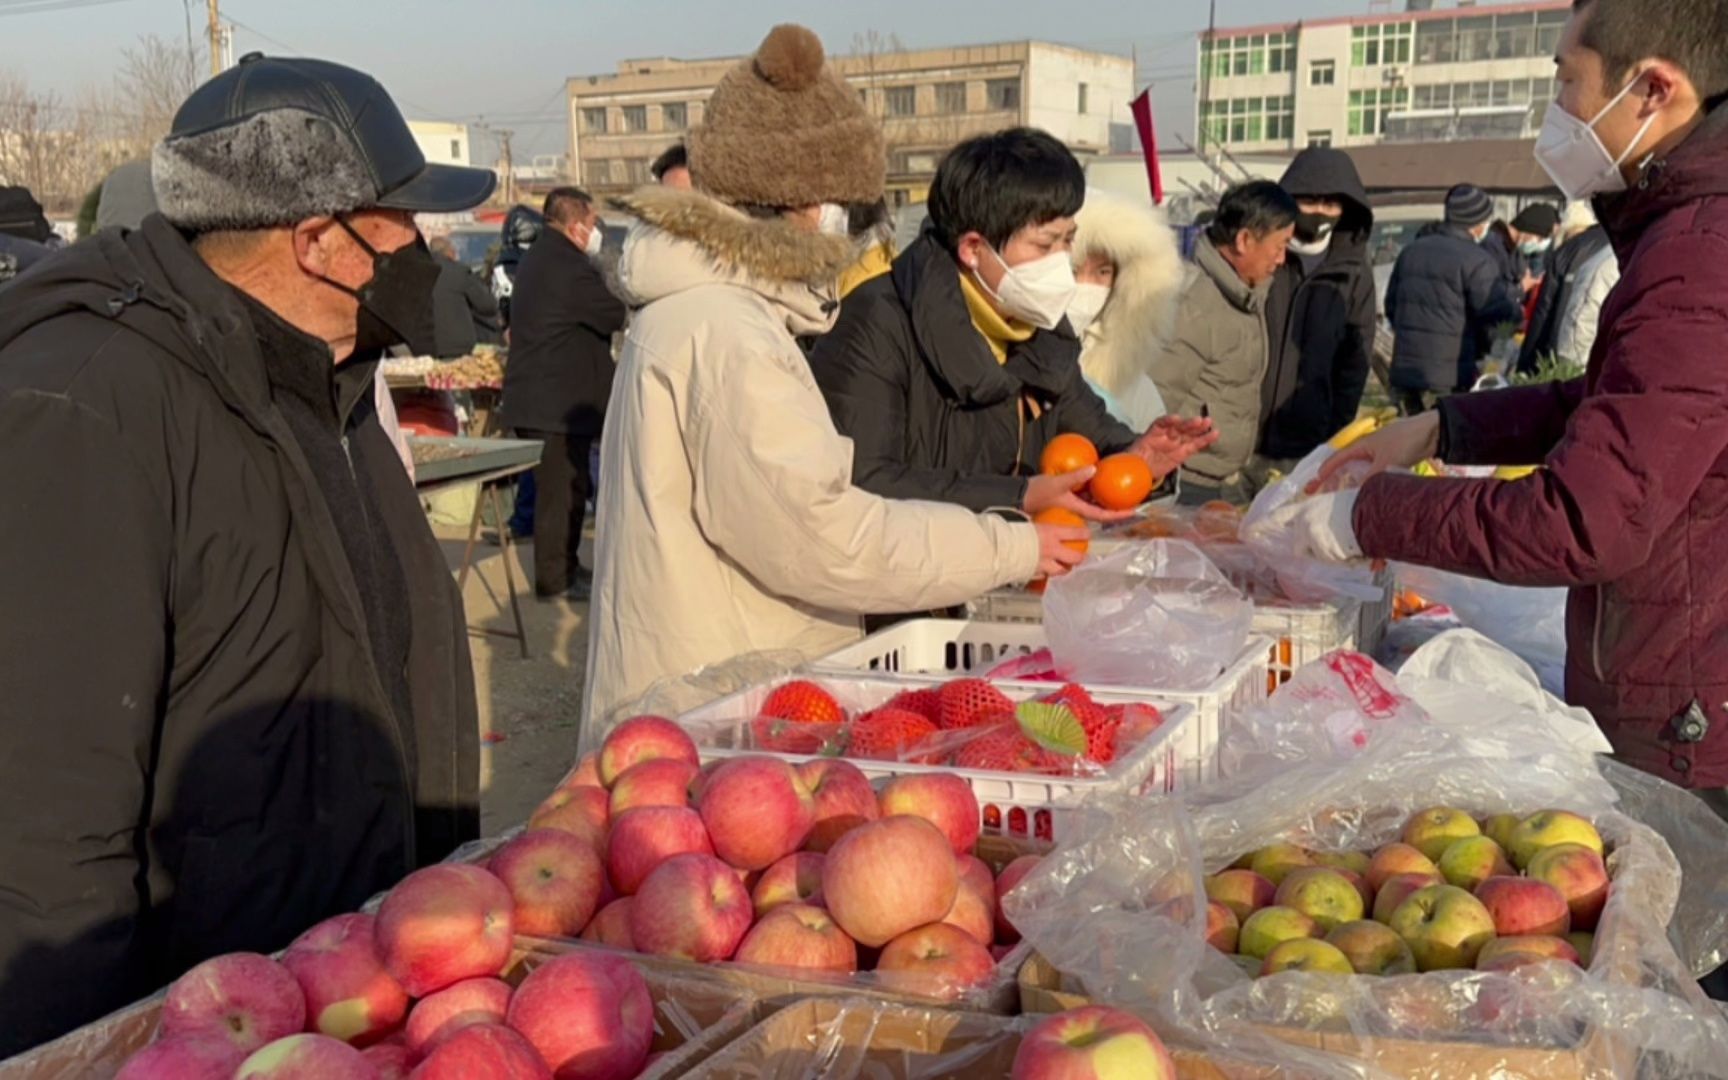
1313	228
396	304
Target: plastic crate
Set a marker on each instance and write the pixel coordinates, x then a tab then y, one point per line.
1182	752
936	650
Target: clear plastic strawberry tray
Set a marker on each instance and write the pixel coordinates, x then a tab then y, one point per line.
1180	753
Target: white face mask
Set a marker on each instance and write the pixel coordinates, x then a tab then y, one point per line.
1535	247
1089	300
592	246
1037	292
1313	248
833	220
1573	154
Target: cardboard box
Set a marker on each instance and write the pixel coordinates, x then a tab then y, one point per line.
1596	1054
853	1039
693	1018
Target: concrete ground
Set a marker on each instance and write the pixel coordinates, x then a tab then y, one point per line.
528	708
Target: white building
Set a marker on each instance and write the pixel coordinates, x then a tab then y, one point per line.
442	143
1465	72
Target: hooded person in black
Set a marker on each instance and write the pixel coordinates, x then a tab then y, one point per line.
1320	315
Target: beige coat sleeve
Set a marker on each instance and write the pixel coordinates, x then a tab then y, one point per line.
773	490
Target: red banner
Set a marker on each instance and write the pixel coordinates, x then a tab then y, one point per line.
1142	107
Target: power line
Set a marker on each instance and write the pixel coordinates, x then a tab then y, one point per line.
39	7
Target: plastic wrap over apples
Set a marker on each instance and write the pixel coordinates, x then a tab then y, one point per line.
1530	622
1304	580
1158	614
1634	1010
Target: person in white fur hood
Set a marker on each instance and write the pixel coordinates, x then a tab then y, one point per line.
1129	274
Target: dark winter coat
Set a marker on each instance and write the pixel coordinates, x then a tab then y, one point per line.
1631	511
930	412
201	752
1320	325
464	311
562	318
1543	337
1446	297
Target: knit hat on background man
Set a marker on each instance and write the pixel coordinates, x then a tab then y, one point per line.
1468	205
1537	219
783	130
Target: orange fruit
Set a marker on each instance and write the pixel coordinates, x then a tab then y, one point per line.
1058	516
1066	454
1123	482
1219	521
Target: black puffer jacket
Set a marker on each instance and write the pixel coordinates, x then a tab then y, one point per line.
1320	325
1446	297
202	753
930	412
1552	304
563	317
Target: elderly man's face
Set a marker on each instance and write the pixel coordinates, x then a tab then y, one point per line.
348	263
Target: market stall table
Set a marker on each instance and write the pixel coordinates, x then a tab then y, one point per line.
445	464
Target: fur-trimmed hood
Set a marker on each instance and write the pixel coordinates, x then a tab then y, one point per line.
684	240
1125	339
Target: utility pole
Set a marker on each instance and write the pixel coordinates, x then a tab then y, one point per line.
215	38
507	167
1209	57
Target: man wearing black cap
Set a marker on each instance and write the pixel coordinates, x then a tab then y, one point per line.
1446	299
235	691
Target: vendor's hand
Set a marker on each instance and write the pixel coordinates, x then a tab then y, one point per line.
1172	441
1055	557
1402	445
1060	492
1319	527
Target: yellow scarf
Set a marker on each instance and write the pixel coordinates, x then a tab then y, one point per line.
997	332
875	262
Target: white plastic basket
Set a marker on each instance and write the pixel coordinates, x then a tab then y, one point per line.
936	650
1182	752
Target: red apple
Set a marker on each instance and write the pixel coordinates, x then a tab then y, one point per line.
349	995
588	1014
757	812
796	879
658	782
184	1057
1092	1043
643	839
1399	888
443	924
1012	874
1242	891
391	1060
890	876
611	926
974	909
586	773
306	1057
488	1051
1373	949
692	907
554	879
248	999
1222	927
799	936
584	812
1395	859
943	799
936	960
1523	906
644	738
843	797
441	1015
1580	875
1506	953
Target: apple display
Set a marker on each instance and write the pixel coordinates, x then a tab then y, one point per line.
554	879
1222	927
1372	948
843	799
248	999
488	1051
643	839
943	799
184	1057
1524	906
349	995
656	782
1092	1043
1271	927
588	1014
1444	926
890	876
1242	891
583	812
693	907
757	812
442	924
644	738
306	1057
799	936
937	959
1552	828
1277	861
611	926
1326	896
1307	954
796	879
1434	830
1473	860
438	1016
1580	875
1399	888
1012	875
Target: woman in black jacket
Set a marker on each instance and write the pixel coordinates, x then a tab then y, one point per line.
952	372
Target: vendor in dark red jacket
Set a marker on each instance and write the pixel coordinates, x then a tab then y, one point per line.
1631	508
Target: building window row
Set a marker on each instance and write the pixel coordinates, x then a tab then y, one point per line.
1370	108
633	119
1490	37
1249	120
1483	94
1249	54
1000	95
616	172
1381	43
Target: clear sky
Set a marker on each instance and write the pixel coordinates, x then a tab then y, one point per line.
506	59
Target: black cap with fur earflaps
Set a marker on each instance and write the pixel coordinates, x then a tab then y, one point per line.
783	130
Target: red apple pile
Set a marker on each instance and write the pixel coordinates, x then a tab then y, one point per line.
415	991
756	860
1452	893
1092	1043
967	723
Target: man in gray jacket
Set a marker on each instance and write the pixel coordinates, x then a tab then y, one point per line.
1216	361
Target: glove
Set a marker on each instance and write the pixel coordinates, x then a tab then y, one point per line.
1319	527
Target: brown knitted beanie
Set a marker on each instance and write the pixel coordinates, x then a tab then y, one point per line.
782	130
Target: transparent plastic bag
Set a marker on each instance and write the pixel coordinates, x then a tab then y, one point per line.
1304	580
1155	614
1530	622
